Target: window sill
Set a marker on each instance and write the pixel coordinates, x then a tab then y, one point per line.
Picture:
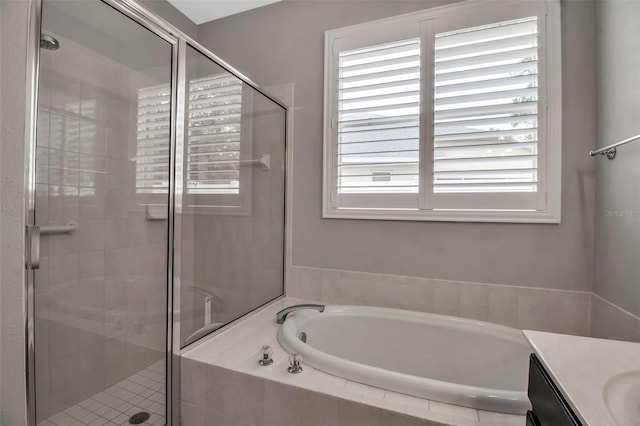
488	216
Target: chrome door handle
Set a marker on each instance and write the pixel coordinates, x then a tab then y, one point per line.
33	247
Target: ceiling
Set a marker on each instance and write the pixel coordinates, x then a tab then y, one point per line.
201	11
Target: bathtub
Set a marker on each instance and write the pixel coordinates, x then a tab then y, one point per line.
441	358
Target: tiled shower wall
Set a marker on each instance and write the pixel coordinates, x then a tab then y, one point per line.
101	291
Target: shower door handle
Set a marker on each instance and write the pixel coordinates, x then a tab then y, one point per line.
33	247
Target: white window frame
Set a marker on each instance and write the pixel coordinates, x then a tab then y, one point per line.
419	24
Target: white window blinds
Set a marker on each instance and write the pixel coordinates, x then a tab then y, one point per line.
152	147
378	118
213	143
451	113
486	109
215	125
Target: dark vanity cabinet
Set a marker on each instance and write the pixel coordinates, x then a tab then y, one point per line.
549	407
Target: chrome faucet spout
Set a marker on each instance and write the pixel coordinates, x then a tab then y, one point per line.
282	315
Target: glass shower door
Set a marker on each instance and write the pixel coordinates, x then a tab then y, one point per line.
102	196
233	199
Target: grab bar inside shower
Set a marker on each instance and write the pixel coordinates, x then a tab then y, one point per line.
34	232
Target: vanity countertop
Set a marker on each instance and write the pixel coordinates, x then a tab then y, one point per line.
583	367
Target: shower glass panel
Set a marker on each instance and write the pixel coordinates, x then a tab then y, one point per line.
102	161
232	217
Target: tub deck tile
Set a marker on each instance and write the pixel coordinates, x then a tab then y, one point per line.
364	389
386	405
420	412
467	422
350	396
434	418
454	410
406	399
326	382
500	419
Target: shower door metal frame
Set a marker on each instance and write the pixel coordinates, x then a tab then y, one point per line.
134	12
178	41
31	119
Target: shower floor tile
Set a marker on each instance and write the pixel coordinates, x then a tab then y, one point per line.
143	391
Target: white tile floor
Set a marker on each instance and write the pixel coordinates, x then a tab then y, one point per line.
144	391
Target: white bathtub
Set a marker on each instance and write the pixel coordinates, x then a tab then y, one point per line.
453	360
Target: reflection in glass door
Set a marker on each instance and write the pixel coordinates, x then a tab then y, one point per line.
102	196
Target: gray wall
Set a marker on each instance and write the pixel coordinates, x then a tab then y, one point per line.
617	221
13	31
283	43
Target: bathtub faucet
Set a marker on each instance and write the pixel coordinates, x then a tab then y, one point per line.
282	315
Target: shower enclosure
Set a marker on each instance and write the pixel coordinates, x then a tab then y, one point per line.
155	209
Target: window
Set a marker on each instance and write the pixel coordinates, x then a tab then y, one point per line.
213	148
215	127
448	114
152	147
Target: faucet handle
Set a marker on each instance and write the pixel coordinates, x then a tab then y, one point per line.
266	354
295	361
